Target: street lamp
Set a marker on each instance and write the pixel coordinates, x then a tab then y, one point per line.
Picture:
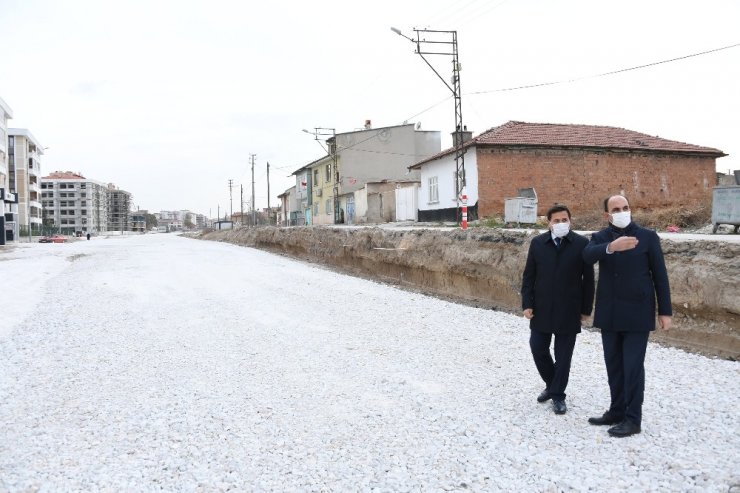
438	45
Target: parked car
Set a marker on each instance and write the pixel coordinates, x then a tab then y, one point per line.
45	239
59	239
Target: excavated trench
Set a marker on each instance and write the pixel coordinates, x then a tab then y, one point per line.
483	267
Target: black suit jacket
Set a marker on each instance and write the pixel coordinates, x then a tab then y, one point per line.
629	281
557	284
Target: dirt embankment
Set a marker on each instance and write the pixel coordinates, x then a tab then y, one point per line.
484	267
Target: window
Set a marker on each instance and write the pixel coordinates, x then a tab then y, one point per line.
315	177
316	209
328	206
83	185
433	190
328	173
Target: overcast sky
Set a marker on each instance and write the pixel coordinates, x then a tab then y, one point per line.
167	99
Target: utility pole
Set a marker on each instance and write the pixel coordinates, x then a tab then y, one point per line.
445	43
231	201
254	213
241	197
269	214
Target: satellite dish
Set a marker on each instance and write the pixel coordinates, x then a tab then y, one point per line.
418	126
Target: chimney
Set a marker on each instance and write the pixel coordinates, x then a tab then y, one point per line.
368	125
465	134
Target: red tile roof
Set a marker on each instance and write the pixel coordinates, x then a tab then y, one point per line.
515	133
63	175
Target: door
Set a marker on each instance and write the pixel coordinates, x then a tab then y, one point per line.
351	209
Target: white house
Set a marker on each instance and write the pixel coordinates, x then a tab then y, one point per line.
440	188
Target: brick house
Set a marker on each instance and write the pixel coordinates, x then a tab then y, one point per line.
578	165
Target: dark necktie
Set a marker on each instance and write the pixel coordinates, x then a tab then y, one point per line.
557	242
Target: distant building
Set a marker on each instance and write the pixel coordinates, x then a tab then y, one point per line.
72	203
138	222
290	207
179	220
201	221
119	209
356	159
24	171
8	199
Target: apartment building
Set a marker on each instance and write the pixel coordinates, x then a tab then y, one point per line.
73	203
179	220
24	172
119	209
138	222
8	202
334	188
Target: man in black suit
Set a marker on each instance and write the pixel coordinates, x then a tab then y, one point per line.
632	274
557	294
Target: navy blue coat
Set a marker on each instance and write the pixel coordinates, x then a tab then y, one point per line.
557	284
629	281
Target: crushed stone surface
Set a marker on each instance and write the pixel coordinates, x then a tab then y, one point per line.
163	363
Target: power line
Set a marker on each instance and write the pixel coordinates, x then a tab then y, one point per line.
532	86
568	81
613	72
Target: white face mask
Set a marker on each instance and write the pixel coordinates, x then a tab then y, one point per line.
621	219
560	229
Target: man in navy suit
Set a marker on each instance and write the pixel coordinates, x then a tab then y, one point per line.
557	294
632	274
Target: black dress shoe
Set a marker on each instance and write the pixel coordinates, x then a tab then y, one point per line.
544	395
558	405
606	419
624	429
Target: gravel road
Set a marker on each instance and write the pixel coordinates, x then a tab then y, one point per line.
160	362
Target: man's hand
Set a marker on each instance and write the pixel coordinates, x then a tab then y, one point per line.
665	322
623	243
528	314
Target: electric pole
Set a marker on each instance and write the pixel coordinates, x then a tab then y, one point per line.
231	202
254	213
268	194
241	187
445	43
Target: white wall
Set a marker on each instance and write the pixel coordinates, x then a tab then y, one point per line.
444	169
361	205
407	203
